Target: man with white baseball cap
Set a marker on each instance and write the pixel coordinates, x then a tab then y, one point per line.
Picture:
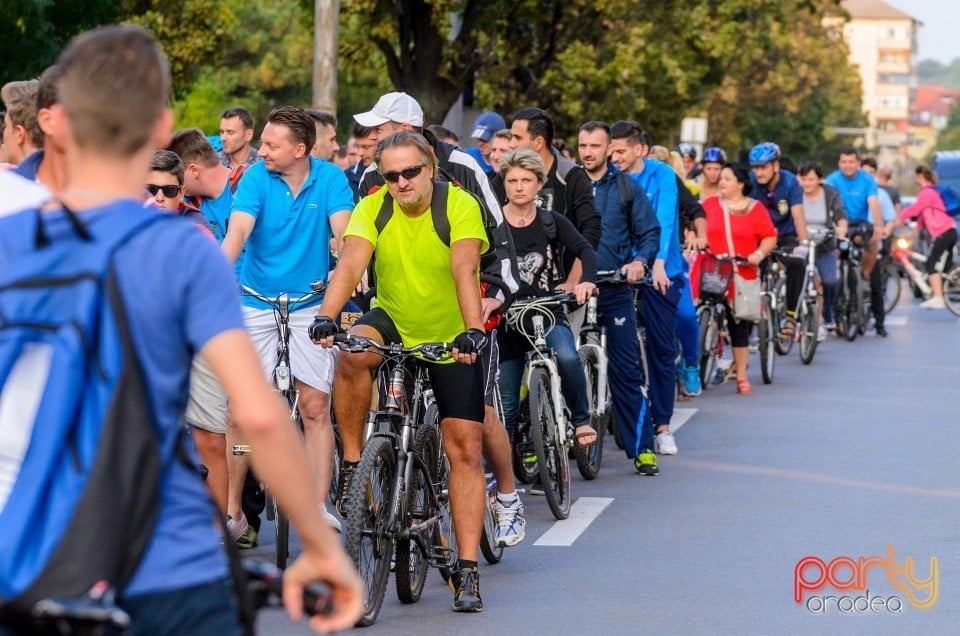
398	108
484	129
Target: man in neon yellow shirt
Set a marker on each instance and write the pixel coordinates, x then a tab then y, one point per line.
427	291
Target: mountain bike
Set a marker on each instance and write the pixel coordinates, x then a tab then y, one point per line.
849	304
284	384
397	502
808	305
547	418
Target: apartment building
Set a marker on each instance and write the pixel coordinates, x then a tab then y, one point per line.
883	47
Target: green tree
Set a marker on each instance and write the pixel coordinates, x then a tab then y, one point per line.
33	32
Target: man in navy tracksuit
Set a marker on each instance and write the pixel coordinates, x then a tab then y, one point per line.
659	303
629	241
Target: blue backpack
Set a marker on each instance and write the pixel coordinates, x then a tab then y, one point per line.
950	199
80	461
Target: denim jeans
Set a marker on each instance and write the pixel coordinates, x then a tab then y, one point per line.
210	608
573	383
827	269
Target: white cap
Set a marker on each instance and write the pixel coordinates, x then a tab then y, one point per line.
395	107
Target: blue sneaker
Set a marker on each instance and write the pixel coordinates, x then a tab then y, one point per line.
691	380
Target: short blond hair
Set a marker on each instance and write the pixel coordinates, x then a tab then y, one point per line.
526	159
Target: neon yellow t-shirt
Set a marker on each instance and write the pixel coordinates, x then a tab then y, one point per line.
414	283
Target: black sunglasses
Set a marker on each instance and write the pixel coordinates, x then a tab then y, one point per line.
406	173
169	191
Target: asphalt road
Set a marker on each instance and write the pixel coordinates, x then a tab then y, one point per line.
848	456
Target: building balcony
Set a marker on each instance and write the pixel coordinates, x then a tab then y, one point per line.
879	112
894	67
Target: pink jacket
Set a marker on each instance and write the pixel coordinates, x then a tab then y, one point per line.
931	211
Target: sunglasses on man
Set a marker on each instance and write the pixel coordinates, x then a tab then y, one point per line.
412	172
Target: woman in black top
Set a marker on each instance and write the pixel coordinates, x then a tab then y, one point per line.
539	237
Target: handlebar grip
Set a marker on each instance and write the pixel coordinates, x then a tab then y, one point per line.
343	336
317	598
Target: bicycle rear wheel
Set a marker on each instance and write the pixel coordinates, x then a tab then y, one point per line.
890	284
848	305
783	343
951	290
492	552
767	337
708	339
412	559
590	457
809	325
283	535
367	539
552	458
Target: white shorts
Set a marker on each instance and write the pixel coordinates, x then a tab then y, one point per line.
309	363
207	406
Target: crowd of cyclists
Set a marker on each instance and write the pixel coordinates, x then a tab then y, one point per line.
399	223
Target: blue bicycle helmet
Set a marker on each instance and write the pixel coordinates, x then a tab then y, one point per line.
764	153
714	155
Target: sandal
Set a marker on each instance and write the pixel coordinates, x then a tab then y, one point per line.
789	327
585	431
743	387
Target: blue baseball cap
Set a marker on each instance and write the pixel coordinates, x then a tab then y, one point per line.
486	125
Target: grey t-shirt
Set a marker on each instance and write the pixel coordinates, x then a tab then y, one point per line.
815	212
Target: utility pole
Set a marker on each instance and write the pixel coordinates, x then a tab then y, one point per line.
326	38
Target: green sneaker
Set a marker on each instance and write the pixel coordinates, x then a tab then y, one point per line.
646	463
248	539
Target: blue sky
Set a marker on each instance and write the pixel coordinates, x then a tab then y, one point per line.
938	38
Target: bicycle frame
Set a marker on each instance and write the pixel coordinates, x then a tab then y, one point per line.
542	356
901	252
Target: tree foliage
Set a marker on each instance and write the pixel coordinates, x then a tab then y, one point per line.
949	137
933	73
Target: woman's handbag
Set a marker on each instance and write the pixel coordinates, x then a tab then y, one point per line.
746	293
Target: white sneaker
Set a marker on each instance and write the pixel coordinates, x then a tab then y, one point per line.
934	303
236	528
511	523
666	445
331	518
821	333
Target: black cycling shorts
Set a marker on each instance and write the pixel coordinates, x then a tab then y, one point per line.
940	257
458	388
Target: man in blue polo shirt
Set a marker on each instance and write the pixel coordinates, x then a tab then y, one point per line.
659	305
859	192
780	191
285	211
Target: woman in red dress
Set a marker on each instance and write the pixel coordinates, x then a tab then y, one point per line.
754	236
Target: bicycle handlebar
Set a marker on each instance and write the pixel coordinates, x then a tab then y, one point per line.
542	301
353	343
614	276
98	608
265	584
316	289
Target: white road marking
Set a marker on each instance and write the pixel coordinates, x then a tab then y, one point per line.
582	513
895	321
681	417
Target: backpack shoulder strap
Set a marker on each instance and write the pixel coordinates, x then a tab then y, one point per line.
235	175
548	223
625	190
438	210
386	211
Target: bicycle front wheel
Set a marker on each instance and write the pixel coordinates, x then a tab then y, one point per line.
766	335
809	325
951	290
367	539
412	559
553	461
708	339
283	536
590	457
782	341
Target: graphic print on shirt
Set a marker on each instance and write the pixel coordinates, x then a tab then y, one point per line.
545	199
535	269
